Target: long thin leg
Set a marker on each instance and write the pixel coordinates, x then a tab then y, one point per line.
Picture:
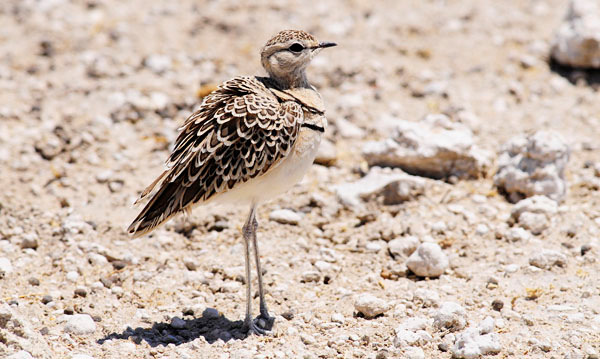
248	232
264	312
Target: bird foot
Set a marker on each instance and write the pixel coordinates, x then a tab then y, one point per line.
262	325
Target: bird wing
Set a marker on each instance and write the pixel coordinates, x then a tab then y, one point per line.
240	132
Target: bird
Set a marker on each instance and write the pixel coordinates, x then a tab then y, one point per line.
251	139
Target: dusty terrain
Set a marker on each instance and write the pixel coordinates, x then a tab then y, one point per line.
91	96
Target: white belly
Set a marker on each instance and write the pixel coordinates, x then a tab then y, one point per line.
279	179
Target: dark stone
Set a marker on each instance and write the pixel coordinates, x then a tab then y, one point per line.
497	305
46	299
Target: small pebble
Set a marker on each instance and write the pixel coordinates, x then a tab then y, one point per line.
370	306
177	323
118	264
80	324
585	248
46	299
72	276
285	216
33	281
414	353
403	246
81	292
5	266
547	259
337	318
81	356
307	339
21	354
429	260
497	305
310	276
190	264
29	240
451	316
288	314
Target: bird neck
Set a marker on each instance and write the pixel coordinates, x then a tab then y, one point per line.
290	80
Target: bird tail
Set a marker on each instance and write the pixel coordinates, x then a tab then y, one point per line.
163	205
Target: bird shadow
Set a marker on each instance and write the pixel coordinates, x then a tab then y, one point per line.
211	325
588	76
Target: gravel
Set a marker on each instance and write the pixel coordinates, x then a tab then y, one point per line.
92	94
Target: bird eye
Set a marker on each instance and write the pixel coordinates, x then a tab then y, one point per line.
296	47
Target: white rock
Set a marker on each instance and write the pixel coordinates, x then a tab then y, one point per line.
323	266
451	316
399	186
373	247
435	147
80	324
5	314
412	333
429	260
406	338
470	344
5	266
415	324
338	318
486	326
347	129
327	153
426	297
370	306
311	276
403	246
307	339
81	356
488	343
517	234
534	213
21	354
577	41
414	353
231	287
72	276
533	165
536	223
547	258
285	216
482	229
158	63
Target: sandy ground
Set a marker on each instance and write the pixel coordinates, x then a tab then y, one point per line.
92	93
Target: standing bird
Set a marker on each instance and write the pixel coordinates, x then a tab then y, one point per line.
252	139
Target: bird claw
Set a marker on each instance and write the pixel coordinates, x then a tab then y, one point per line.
260	326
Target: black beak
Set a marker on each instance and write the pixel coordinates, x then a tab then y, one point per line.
323	45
